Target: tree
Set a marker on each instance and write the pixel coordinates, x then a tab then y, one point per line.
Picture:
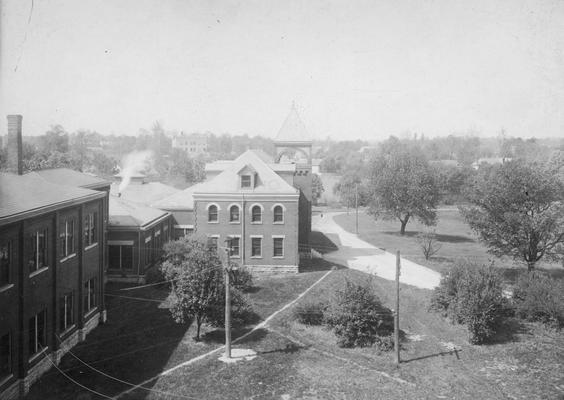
197	284
428	243
403	185
351	189
517	210
316	187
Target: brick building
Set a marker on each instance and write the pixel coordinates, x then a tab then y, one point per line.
193	144
52	252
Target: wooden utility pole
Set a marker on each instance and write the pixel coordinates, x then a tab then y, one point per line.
356	206
227	305
396	316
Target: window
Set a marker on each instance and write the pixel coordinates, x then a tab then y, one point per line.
5	355
278	247
245	181
165	233
89	295
212	243
5	263
256	247
278	214
212	213
234	246
148	250
234	214
37	249
90	231
256	214
121	257
66	238
38	332
66	311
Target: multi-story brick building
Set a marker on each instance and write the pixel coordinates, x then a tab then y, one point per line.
52	251
193	143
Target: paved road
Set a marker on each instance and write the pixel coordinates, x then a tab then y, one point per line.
360	255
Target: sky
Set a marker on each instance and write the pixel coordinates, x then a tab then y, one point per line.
355	69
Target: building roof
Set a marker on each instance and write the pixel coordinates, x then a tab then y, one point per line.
293	129
228	180
144	193
125	213
71	178
24	195
183	200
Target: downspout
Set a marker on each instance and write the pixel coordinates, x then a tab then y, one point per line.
243	230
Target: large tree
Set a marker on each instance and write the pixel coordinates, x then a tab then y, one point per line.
517	210
402	184
317	188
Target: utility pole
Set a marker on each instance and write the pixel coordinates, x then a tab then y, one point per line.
227	304
356	205
396	316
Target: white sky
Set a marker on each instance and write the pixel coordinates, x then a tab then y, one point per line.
356	69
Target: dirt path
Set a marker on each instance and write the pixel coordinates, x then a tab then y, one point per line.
360	255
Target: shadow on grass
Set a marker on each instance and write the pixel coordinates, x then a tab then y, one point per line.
320	264
320	242
439	354
218	335
507	331
439	236
290	348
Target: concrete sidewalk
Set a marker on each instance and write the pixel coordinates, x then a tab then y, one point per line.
360	255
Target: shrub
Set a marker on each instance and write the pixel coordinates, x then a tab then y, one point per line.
428	243
154	275
472	295
358	318
242	279
310	313
537	297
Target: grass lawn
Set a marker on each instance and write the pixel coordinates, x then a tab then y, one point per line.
455	237
295	361
140	339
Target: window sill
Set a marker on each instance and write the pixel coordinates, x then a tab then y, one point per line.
35	273
38	354
6	287
232	256
256	222
68	257
278	222
256	257
90	312
278	257
91	246
67	331
6	379
235	222
213	222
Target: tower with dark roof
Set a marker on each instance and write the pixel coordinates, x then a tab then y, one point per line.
293	144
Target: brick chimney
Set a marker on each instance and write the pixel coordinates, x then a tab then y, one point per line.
14	145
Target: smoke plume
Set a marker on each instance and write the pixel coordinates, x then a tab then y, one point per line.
133	163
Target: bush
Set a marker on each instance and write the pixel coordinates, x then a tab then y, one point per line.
310	313
428	243
471	294
242	279
358	318
154	275
537	297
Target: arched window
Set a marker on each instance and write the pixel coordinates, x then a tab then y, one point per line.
278	214
212	213
256	214
234	213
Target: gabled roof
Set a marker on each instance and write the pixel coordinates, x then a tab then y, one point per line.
71	178
293	129
23	195
228	181
145	194
181	201
126	213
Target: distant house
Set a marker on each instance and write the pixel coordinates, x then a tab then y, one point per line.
52	257
193	144
490	161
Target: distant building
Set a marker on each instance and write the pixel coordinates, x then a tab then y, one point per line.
52	258
194	143
490	161
257	205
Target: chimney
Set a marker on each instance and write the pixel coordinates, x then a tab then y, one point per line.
14	145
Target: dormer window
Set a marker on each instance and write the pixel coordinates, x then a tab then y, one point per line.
246	181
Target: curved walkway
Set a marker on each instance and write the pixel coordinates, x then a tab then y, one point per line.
360	255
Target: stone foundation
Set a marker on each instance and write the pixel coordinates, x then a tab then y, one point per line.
12	392
273	269
138	279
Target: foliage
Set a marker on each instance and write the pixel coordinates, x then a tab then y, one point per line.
517	210
452	181
428	243
537	297
471	294
154	275
310	313
403	185
317	188
358	317
350	189
242	279
198	288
